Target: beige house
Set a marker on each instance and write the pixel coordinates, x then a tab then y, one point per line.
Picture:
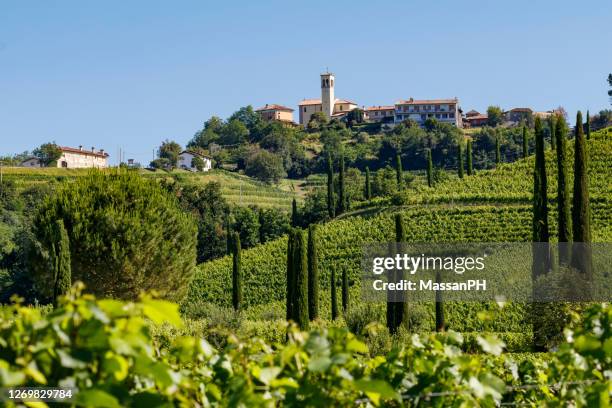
337	109
379	113
78	158
276	112
444	110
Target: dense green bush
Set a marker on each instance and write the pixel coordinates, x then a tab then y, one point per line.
126	235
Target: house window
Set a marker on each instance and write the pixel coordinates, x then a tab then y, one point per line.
423	117
452	115
304	109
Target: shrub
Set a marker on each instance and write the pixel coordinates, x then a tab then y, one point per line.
126	235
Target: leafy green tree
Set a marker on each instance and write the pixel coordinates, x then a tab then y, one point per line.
170	151
317	121
341	192
525	143
495	116
581	208
429	169
236	272
265	166
354	117
541	261
470	166
399	172
300	271
126	235
460	160
331	208
234	133
246	223
313	273
47	153
563	193
272	224
431	124
197	162
345	291
60	256
247	116
334	294
368	185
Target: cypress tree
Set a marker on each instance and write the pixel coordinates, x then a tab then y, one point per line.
313	274
440	321
341	195
588	126
497	151
553	132
563	193
345	292
460	160
398	171
290	275
334	295
541	256
300	272
61	262
236	273
429	169
368	187
525	143
260	215
395	306
470	167
331	207
581	212
295	218
228	232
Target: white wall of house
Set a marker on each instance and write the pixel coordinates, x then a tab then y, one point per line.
73	160
185	159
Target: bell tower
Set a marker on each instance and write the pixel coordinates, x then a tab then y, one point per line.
328	98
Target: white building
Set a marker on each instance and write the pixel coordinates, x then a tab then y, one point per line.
443	110
335	109
73	158
186	161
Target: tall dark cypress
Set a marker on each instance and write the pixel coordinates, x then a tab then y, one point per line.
541	256
440	321
396	304
525	143
368	185
581	212
290	275
398	171
553	132
313	273
262	228
236	272
429	168
331	206
228	232
61	262
300	271
470	166
334	294
563	192
341	192
497	151
345	291
460	161
587	125
295	217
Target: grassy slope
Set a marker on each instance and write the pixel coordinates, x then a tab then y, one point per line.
463	217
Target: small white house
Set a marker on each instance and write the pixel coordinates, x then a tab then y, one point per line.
186	161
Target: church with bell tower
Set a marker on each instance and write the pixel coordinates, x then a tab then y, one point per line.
328	104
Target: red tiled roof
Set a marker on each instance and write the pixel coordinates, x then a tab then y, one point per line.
412	101
477	117
380	108
99	153
305	102
273	106
345	101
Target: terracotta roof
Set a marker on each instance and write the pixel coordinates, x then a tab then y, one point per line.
273	106
477	117
412	101
521	110
472	113
99	153
380	108
305	102
345	101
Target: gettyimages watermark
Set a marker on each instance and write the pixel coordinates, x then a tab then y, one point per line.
524	272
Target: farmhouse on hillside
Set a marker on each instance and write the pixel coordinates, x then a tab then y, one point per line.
187	162
274	112
74	158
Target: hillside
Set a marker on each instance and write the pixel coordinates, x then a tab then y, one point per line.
492	206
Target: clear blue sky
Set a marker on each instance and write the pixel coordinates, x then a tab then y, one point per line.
129	74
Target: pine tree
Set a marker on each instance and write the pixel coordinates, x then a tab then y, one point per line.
61	262
429	169
563	192
553	132
290	275
581	212
525	143
300	272
398	171
541	256
331	206
334	294
295	218
470	167
587	125
313	273
236	273
345	291
368	186
497	151
341	193
460	160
